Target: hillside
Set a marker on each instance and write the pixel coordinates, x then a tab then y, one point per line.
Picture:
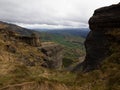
71	39
27	63
82	32
24	57
18	29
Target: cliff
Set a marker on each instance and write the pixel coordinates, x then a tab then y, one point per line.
103	40
32	40
53	55
21	64
26	63
28	48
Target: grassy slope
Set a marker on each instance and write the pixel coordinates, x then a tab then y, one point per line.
13	72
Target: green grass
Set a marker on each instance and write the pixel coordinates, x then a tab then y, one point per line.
63	40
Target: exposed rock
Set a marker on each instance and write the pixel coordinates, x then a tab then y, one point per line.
31	59
53	55
11	48
35	39
12	32
104	35
7	34
52	52
32	40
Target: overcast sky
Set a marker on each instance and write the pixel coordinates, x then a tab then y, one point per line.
50	13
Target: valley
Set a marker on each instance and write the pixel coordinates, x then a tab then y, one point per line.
72	40
66	59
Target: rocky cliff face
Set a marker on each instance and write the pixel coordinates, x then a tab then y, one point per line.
32	40
53	55
28	48
103	38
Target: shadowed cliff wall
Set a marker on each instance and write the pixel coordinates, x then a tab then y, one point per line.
103	38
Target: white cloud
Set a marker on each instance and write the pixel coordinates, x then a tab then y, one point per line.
50	13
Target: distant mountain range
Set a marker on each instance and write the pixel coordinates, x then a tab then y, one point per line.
73	32
23	31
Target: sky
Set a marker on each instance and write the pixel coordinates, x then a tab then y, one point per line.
50	14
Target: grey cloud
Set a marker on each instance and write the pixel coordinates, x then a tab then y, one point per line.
56	13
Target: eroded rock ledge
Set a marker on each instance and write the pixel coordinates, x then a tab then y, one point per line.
53	55
103	37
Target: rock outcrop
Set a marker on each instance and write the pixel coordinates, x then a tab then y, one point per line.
35	52
103	38
13	32
53	55
32	40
